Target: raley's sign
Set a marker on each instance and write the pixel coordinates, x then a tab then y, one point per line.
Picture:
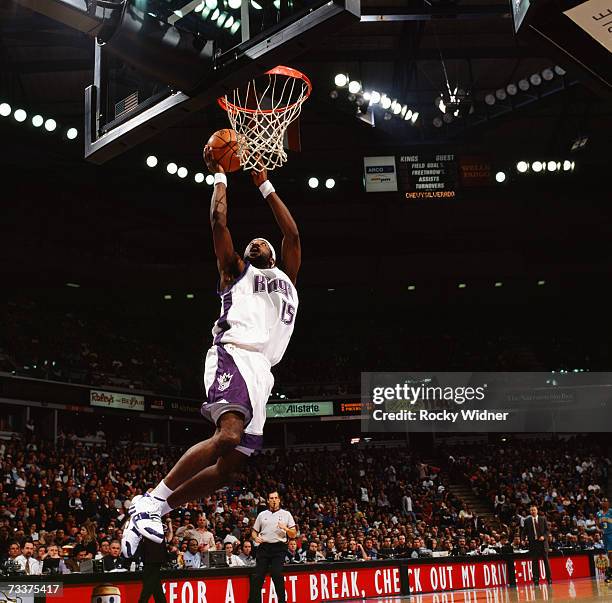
116	400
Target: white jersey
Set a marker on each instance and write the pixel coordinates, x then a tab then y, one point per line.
258	312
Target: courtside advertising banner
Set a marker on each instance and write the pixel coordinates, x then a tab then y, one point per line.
116	400
300	587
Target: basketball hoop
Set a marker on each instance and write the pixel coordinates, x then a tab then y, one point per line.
260	113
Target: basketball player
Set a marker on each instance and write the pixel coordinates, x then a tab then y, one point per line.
604	518
258	309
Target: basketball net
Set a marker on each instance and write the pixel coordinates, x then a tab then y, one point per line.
260	113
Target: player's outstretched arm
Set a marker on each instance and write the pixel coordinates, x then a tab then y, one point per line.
291	250
230	264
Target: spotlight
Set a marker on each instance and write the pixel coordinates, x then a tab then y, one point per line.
313	182
559	70
374	97
522	166
5	109
210	179
190	296
500	94
229	22
511	89
461	286
498	284
411	287
172	168
151	161
397	109
414	117
437	122
408	115
404	110
199	177
50	125
215	15
385	102
37	121
199	7
489	99
221	19
354	87
541	283
548	74
330	183
537	166
334	94
167	296
567	166
234	4
535	79
341	80
72	133
235	27
523	85
500	177
182	172
20	115
211	4
366	96
552	166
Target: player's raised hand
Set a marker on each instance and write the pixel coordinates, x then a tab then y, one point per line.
260	175
211	163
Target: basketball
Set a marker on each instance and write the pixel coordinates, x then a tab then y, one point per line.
225	149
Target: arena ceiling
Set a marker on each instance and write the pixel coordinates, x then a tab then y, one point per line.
119	215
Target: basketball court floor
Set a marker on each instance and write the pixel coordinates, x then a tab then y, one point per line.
585	590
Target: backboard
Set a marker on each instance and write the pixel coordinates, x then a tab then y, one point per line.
159	60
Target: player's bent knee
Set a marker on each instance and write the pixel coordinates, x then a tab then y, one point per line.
228	440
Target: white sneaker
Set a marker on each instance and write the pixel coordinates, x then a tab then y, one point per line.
130	540
147	518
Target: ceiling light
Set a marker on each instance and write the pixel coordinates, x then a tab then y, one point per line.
182	172
374	97
537	166
511	89
559	70
313	182
341	80
489	99
20	115
5	109
500	177
414	117
548	74
50	125
522	166
523	85
234	3
354	87
535	79
330	183
172	168
72	133
552	166
461	285
37	121
397	109
408	115
567	166
199	177
151	161
500	94
210	179
385	102
366	96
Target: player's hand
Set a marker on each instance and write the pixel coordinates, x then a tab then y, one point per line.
211	163
259	177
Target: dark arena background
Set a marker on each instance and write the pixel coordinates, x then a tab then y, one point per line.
449	178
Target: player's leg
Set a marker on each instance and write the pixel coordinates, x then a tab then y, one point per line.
204	454
208	480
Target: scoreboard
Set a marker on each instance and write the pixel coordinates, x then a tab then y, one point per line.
426	175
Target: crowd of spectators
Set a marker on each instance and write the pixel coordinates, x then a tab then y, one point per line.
133	348
565	478
63	504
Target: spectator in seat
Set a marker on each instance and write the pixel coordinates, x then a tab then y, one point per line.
293	555
232	560
246	554
114	560
28	562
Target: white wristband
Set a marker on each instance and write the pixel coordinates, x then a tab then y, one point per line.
220	178
266	188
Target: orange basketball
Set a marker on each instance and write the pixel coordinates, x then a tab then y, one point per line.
225	149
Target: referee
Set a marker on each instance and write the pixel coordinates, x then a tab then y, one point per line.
271	531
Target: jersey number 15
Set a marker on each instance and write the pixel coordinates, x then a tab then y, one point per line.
287	313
